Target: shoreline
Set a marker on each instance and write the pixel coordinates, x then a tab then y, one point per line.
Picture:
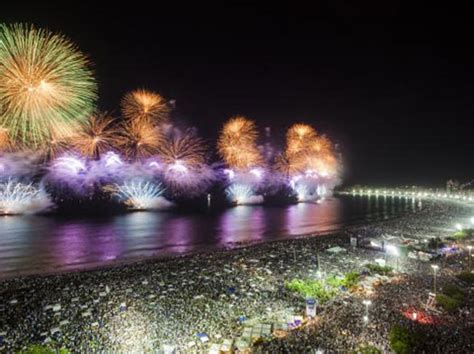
199	251
145	305
150	261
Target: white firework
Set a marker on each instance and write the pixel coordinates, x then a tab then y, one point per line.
69	166
243	194
141	195
20	198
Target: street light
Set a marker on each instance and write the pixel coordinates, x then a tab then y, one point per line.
435	268
367	303
472	220
469	247
393	250
458	227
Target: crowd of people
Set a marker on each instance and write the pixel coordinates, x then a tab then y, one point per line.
188	303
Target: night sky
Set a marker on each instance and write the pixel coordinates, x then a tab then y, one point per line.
392	84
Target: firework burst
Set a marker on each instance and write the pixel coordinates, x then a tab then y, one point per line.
140	195
243	194
306	151
5	142
19	198
300	138
141	140
184	164
46	86
237	144
310	162
185	148
144	106
98	135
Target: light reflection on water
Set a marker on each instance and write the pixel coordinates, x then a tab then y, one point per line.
35	244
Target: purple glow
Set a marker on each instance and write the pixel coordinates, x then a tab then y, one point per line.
69	165
112	160
257	172
154	165
230	173
178	167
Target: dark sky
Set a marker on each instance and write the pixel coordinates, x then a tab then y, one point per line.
391	83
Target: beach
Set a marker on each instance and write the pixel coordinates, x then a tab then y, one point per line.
201	301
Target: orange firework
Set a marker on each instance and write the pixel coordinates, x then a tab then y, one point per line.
299	138
307	152
97	136
5	142
186	149
144	106
237	143
140	140
56	147
322	144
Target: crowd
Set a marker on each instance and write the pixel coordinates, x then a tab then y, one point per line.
189	302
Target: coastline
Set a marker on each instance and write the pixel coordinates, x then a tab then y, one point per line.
199	250
175	298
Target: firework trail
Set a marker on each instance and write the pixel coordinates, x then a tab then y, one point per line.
19	198
46	86
142	106
140	195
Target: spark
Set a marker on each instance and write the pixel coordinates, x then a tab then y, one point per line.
243	194
237	144
20	198
98	135
139	194
144	106
46	86
141	140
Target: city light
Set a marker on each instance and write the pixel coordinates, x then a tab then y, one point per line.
435	269
367	303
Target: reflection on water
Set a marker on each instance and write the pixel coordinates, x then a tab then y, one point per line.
35	244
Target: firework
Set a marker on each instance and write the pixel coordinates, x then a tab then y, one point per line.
5	142
237	144
112	160
140	195
185	149
46	86
185	171
141	140
144	106
20	165
69	166
98	135
300	137
55	148
19	198
310	161
307	152
243	194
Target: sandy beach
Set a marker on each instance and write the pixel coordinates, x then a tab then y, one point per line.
200	301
